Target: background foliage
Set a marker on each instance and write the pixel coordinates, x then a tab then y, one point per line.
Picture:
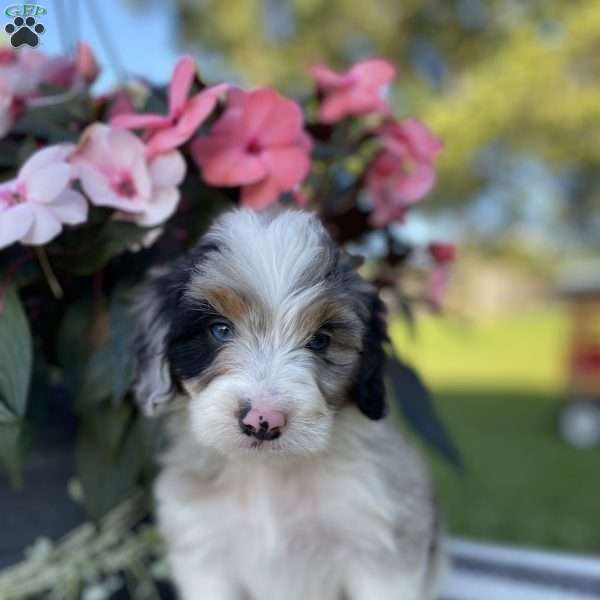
503	82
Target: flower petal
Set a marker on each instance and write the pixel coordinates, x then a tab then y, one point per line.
167	170
85	62
423	144
137	121
196	110
262	194
15	222
350	101
230	123
259	107
44	228
181	82
284	124
45	185
164	141
70	207
326	78
287	166
98	190
373	73
44	157
414	186
125	149
162	205
225	162
193	115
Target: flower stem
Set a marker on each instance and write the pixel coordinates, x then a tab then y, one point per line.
51	279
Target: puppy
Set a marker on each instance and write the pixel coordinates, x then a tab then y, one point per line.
283	479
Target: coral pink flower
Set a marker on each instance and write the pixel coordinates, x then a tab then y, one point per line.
185	114
259	144
355	92
35	205
115	171
403	172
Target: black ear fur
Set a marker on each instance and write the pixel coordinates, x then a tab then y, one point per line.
156	312
369	389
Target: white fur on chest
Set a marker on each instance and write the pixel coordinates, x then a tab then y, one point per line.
300	524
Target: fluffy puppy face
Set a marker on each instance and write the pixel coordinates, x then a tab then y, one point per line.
264	331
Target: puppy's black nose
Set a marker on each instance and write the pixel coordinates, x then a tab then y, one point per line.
264	423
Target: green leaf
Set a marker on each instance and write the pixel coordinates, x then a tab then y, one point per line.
12	442
110	457
109	371
15	358
416	404
72	344
86	250
120	342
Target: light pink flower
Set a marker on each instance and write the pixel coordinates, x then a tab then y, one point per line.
166	132
115	171
358	91
35	205
259	144
21	72
403	172
20	77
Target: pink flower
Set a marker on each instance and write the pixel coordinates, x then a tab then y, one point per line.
20	76
355	92
35	205
436	285
68	72
442	252
259	144
115	171
85	63
119	104
21	72
443	255
185	114
403	172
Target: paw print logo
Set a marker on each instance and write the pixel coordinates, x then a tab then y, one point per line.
24	31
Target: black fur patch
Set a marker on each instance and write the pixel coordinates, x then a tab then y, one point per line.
369	389
190	347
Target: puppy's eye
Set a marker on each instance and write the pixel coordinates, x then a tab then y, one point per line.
221	331
318	342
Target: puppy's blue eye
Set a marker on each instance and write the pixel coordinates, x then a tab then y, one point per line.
221	331
318	342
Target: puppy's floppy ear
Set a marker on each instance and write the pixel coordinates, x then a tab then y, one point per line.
369	389
154	386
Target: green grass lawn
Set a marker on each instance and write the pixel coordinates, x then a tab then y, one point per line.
499	387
